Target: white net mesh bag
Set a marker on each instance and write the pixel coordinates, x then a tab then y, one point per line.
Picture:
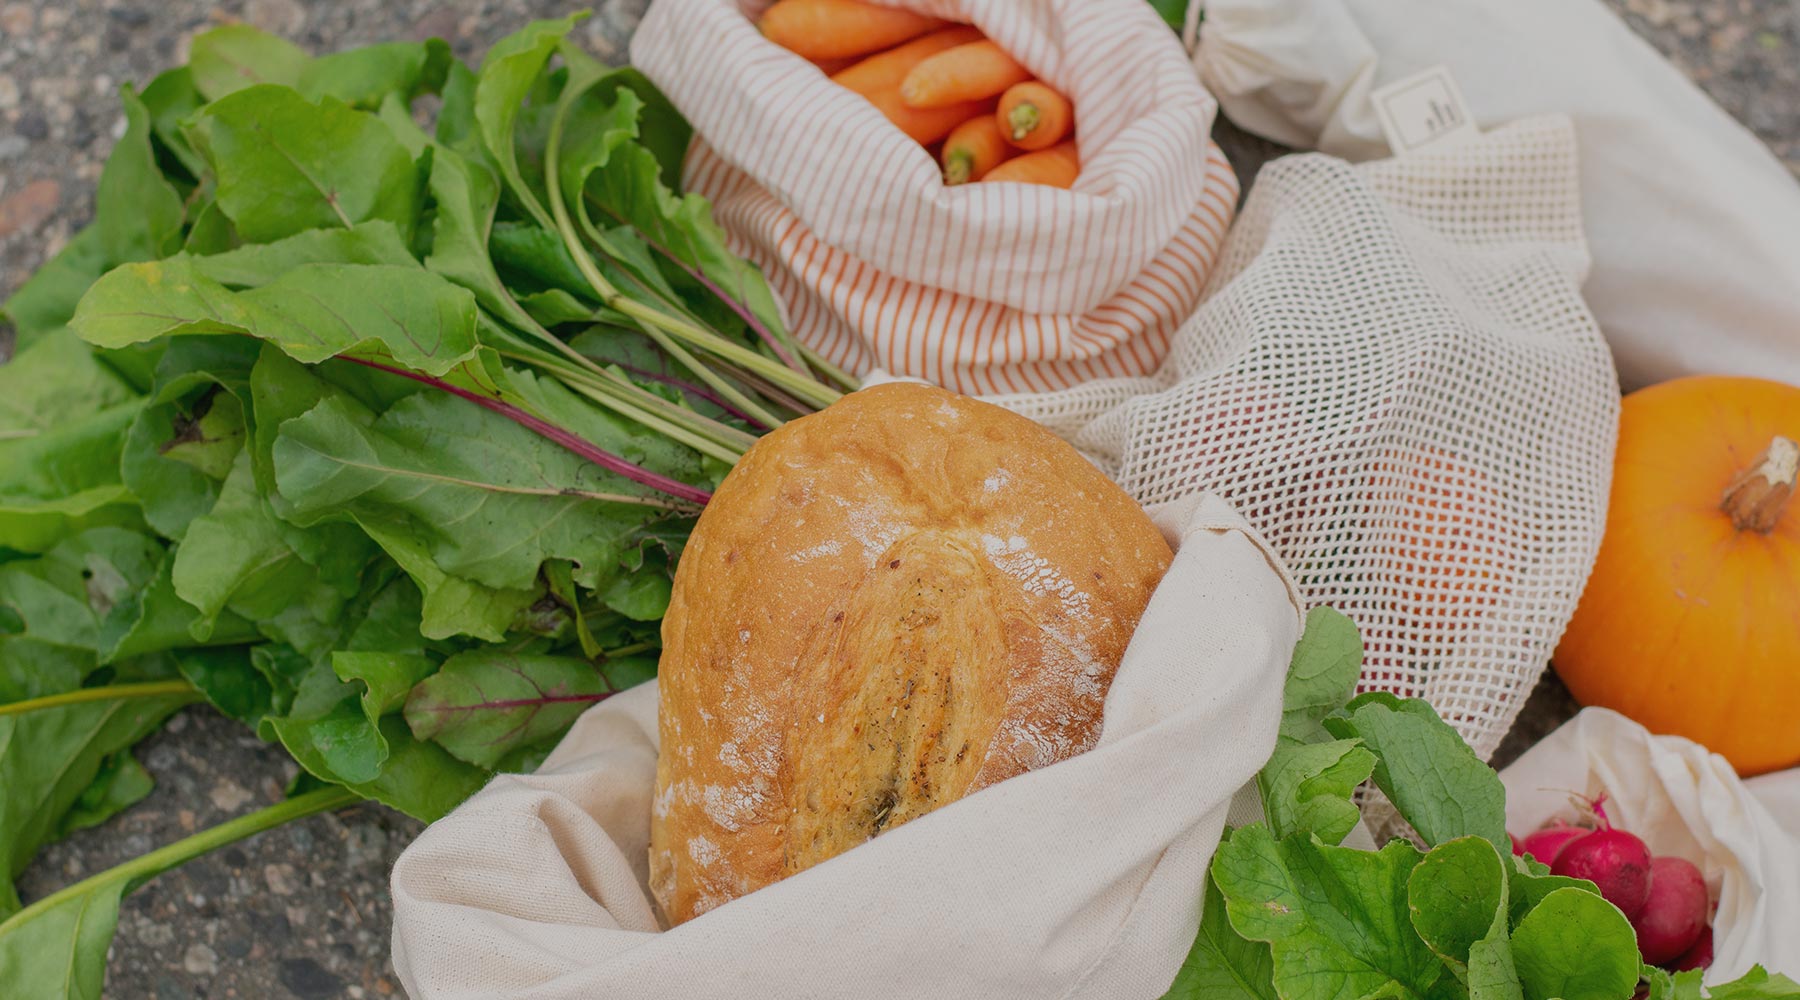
1394	378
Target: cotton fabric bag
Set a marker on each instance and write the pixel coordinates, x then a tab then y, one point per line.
1695	227
980	287
1082	879
1394	378
1685	800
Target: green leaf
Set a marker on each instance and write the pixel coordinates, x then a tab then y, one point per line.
54	608
54	381
211	232
153	619
1457	897
1223	965
210	439
57	483
313	312
242	557
47	299
189	377
234	57
171	98
229	680
1321	674
60	954
137	211
386	677
1426	769
1527	891
1306	788
1335	918
1576	946
171	493
553	306
48	758
364	77
285	164
120	784
1173	12
418	778
508	74
1753	985
490	500
625	672
608	178
485	703
257	264
466	195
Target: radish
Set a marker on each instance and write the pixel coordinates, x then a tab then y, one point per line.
1516	849
1548	842
1699	956
1675	912
1615	861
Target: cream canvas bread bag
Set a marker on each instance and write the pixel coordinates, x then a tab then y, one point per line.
1081	879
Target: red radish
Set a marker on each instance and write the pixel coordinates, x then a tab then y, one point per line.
1516	849
1615	861
1697	957
1675	912
1547	843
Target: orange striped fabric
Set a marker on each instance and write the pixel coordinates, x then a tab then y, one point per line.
983	288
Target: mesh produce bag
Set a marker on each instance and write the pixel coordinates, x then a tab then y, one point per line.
1394	377
980	287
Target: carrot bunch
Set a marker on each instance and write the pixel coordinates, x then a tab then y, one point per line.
938	81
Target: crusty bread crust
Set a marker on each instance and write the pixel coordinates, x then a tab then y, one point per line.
887	605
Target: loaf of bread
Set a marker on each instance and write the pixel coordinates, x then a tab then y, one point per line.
887	605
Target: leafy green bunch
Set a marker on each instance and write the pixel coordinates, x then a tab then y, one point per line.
1290	913
380	437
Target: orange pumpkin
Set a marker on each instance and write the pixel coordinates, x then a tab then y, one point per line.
1690	623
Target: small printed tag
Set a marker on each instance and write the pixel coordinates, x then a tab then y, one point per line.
1424	109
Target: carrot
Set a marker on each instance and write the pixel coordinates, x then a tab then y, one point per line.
830	67
835	29
885	70
878	77
1057	166
966	73
1033	116
973	149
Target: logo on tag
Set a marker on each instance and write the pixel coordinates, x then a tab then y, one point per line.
1424	109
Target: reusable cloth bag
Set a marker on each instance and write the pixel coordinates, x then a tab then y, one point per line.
1393	377
980	287
1082	879
1694	226
1685	800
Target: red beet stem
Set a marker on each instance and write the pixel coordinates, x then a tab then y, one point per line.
599	456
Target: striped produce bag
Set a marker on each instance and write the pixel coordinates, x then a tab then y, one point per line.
981	288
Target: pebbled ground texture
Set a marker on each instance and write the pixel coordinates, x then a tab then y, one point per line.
303	911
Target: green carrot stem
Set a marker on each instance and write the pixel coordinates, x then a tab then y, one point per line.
1022	119
110	692
144	867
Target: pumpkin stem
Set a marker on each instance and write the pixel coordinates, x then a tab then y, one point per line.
1757	497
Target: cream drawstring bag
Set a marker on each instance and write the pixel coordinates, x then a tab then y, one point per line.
980	287
1685	800
1695	227
1082	879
